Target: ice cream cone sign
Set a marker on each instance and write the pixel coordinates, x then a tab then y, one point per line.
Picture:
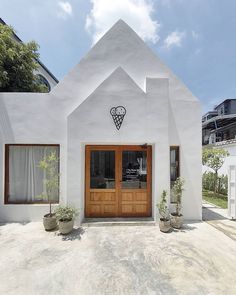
118	114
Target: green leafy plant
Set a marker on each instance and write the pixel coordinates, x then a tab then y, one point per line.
177	191
18	62
163	208
65	213
214	159
208	182
49	164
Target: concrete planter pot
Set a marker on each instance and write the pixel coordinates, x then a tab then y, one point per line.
164	225
65	227
49	222
176	221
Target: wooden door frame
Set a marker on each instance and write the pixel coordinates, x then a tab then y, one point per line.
118	171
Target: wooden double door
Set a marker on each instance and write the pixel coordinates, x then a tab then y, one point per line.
118	181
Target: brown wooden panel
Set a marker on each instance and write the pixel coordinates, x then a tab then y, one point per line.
127	196
95	209
102	196
127	208
141	196
141	208
110	209
137	203
94	197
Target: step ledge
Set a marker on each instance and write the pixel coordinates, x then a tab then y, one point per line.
118	222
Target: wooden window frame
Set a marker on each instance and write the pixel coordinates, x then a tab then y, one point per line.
6	178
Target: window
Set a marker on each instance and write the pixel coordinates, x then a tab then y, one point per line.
25	181
44	81
134	169
102	169
174	167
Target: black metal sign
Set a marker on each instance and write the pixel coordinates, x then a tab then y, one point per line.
118	114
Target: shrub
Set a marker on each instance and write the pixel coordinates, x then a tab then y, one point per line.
208	182
65	213
163	208
177	191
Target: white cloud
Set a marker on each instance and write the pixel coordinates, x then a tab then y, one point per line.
195	35
65	9
174	39
136	13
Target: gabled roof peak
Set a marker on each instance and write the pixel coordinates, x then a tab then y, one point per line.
120	75
121	22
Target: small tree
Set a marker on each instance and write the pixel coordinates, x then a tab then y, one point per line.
163	208
214	159
49	164
177	191
18	61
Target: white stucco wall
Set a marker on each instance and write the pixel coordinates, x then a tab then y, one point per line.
160	111
33	119
146	121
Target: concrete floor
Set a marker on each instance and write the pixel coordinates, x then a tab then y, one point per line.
198	259
218	218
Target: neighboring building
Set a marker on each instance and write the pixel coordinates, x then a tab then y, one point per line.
43	72
220	124
124	126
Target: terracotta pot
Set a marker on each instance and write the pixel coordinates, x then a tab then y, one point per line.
65	227
49	222
176	221
164	225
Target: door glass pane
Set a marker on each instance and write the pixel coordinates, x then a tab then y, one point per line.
102	169
134	169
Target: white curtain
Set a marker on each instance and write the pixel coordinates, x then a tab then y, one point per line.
26	179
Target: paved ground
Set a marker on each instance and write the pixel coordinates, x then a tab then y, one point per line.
116	260
218	218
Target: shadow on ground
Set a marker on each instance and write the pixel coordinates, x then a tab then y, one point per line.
74	235
17	222
208	214
183	229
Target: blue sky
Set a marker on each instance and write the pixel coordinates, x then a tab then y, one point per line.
195	38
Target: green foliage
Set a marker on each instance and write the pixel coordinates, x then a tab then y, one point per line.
177	191
208	183
163	208
214	159
18	63
216	199
65	213
49	164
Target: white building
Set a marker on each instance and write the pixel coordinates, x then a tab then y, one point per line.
105	171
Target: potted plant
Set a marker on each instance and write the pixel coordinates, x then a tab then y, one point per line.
49	165
65	216
177	190
164	222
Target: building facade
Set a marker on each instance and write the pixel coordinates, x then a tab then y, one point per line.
123	126
219	125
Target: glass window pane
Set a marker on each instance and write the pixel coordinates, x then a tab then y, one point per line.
28	182
174	167
134	169
102	169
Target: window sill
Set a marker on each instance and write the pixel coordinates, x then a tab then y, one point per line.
31	204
